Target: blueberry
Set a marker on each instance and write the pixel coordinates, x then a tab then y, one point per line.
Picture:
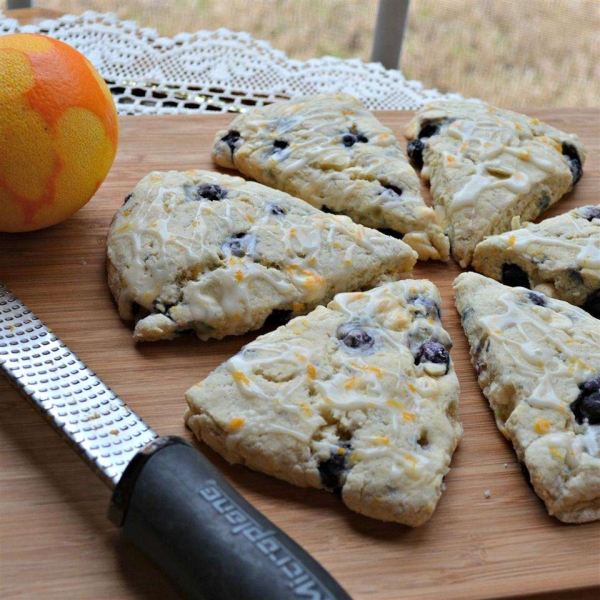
589	212
415	151
392	233
207	191
575	276
276	210
280	144
231	139
514	276
349	139
574	161
427	306
394	189
415	147
355	337
433	352
127	199
592	304
536	298
237	244
587	405
429	129
331	469
544	202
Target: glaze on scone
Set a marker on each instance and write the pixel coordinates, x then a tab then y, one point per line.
559	257
360	396
538	363
217	255
332	152
487	165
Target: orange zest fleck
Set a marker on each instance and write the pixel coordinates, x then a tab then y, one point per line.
240	378
236	423
542	426
351	383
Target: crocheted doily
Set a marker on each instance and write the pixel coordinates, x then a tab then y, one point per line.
221	71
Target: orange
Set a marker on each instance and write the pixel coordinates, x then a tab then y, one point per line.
58	131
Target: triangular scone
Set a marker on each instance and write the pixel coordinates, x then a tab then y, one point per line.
559	257
538	363
487	165
217	255
360	396
332	152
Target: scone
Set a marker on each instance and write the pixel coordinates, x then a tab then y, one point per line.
217	255
538	363
559	257
487	165
359	397
332	152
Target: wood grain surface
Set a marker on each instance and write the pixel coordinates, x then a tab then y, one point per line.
55	539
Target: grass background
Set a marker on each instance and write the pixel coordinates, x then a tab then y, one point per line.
527	53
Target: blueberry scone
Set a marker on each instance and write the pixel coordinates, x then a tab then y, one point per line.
360	397
487	165
538	363
217	255
332	152
559	257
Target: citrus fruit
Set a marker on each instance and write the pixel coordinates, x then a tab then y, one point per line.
58	131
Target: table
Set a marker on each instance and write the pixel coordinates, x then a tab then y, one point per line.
55	541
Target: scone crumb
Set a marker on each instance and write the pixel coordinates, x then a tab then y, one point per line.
487	494
506	465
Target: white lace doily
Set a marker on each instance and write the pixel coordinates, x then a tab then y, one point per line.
221	71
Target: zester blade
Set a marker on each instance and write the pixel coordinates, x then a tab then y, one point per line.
83	410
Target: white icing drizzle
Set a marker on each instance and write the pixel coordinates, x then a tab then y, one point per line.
504	155
357	382
587	247
542	346
227	289
314	130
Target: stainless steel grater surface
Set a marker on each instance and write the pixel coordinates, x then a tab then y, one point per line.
84	410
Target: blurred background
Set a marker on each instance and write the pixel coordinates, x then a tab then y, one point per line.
520	53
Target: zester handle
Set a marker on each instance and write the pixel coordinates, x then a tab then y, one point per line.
176	507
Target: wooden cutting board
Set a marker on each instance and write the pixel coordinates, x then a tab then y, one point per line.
55	540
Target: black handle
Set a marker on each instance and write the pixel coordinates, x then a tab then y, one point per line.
179	510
